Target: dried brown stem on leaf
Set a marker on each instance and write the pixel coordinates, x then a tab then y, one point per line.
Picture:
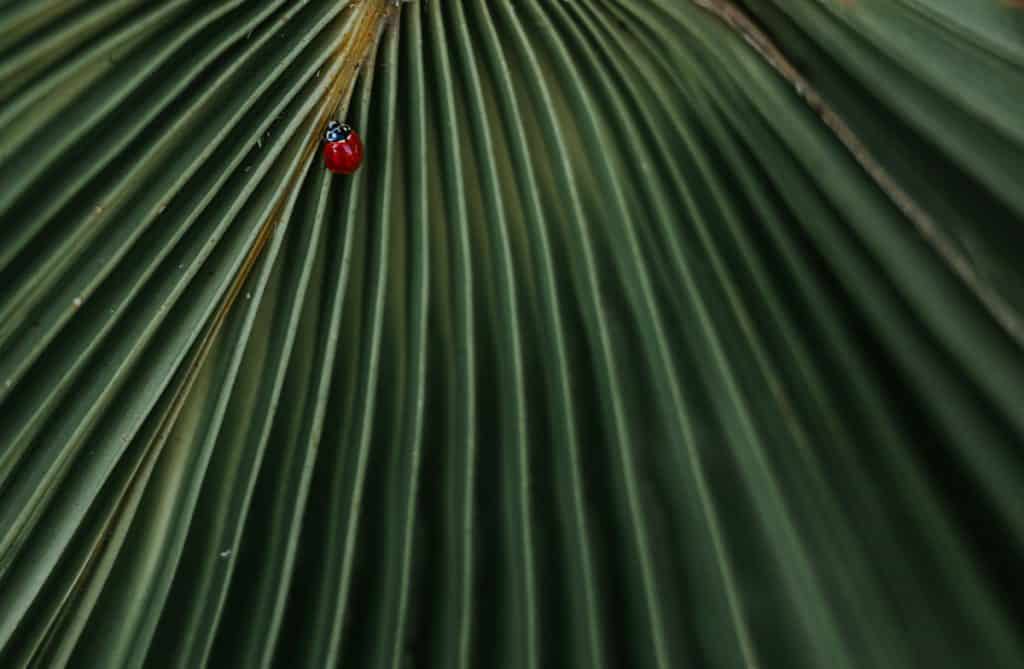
741	23
355	47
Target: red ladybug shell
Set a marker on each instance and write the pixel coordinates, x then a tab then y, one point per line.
344	157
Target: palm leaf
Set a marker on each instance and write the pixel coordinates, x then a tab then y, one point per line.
651	333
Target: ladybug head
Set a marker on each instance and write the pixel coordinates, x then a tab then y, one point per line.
337	132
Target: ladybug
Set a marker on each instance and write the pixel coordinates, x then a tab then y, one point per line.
343	150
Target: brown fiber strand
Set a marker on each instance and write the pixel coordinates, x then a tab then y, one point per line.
351	51
740	22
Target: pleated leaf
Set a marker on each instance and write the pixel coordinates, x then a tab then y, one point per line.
650	333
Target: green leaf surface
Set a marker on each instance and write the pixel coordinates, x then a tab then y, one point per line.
650	333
